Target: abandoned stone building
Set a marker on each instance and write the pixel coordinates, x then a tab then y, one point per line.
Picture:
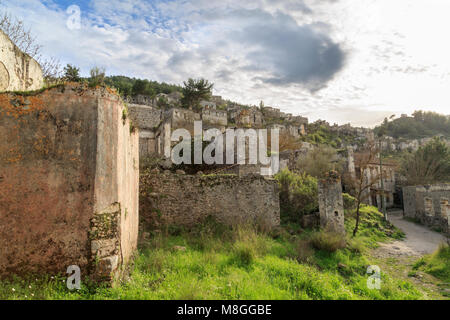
428	204
373	176
18	71
156	125
69	178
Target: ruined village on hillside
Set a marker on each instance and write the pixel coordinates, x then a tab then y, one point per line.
88	184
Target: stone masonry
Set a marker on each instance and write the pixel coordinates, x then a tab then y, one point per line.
18	71
186	200
331	204
69	179
428	204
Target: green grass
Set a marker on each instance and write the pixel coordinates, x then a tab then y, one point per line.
241	263
436	264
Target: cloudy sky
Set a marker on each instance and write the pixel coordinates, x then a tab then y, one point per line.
343	61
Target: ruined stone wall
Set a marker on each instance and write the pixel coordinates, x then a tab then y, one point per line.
331	205
147	119
215	117
409	201
429	204
186	200
18	71
68	182
144	117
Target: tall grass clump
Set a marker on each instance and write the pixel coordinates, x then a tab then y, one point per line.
328	241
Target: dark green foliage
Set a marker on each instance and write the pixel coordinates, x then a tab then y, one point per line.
298	195
72	73
128	87
194	91
420	125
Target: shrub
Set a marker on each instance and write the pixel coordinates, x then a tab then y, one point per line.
320	161
97	77
328	241
298	195
243	254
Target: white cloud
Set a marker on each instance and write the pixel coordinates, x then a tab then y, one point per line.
396	51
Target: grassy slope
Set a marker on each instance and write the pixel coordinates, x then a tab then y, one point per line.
219	263
436	264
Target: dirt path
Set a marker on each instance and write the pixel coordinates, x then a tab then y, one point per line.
398	257
419	240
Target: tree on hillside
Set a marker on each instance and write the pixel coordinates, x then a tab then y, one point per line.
422	124
430	164
143	87
194	91
71	73
361	183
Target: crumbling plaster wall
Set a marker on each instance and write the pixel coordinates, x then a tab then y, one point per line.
68	182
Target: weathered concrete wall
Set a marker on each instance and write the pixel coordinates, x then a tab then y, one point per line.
331	204
428	204
185	200
69	182
18	71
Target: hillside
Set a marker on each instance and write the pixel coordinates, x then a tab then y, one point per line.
420	125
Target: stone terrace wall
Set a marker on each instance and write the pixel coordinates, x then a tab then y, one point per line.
18	71
69	179
186	200
144	117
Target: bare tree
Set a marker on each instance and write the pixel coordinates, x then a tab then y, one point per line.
24	39
21	36
362	182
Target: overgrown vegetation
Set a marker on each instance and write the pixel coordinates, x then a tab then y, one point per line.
194	91
213	261
436	264
298	195
321	134
421	125
320	161
129	87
